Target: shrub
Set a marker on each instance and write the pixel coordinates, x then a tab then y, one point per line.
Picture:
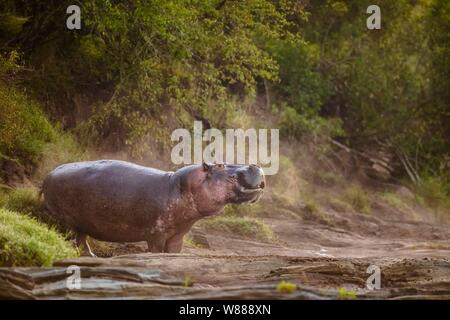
295	125
24	129
26	242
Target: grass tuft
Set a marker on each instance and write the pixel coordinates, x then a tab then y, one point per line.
344	294
247	227
358	199
26	242
286	287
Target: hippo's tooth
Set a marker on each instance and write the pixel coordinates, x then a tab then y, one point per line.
244	190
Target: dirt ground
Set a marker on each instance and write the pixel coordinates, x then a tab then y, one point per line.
320	259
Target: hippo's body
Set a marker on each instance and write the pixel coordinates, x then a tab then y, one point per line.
122	202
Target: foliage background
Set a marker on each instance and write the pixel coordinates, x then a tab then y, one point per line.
138	69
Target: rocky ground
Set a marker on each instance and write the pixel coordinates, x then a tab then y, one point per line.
321	259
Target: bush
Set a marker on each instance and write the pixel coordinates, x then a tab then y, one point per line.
24	129
26	242
295	125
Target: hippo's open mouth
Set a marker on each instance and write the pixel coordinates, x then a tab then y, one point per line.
248	194
250	190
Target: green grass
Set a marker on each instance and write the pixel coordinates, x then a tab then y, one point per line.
358	199
327	178
398	203
26	242
189	242
435	193
249	210
27	201
23	200
339	205
345	294
247	227
286	287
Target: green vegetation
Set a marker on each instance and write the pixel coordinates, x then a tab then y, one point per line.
188	282
24	130
345	294
434	191
246	227
26	242
286	287
139	69
63	149
188	241
27	201
358	199
339	205
327	178
248	210
23	200
398	203
287	184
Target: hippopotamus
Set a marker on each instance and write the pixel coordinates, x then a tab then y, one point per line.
119	201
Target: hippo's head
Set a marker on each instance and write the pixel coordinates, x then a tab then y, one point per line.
212	186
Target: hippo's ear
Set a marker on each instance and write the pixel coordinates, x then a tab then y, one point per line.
206	166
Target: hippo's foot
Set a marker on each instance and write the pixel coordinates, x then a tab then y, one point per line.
84	245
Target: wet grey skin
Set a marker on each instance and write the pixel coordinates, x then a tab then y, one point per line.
118	201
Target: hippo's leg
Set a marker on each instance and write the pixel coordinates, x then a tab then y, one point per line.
84	245
156	242
174	244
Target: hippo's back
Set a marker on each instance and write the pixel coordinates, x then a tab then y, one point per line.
107	199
